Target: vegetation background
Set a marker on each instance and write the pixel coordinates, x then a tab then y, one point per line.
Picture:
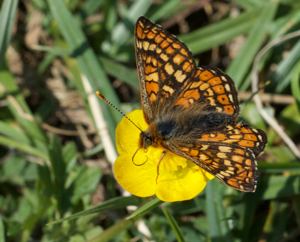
55	54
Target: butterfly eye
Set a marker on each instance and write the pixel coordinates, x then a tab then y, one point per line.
147	141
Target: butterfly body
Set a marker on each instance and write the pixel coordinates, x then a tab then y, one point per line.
192	111
185	123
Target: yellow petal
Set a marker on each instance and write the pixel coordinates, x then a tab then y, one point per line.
127	135
184	184
178	178
138	180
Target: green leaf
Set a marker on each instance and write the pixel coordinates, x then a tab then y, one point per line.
70	155
91	7
2	230
146	207
59	171
279	167
295	87
249	4
242	62
289	118
279	186
7	20
22	147
97	149
114	203
13	133
175	227
218	227
161	10
112	68
252	116
121	72
124	30
86	58
18	106
120	226
219	33
277	220
86	182
281	154
285	67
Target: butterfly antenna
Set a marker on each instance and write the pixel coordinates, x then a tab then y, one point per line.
109	103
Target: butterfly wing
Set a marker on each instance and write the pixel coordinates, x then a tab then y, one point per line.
165	66
169	77
171	85
214	89
229	155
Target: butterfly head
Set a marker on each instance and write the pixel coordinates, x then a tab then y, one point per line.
145	140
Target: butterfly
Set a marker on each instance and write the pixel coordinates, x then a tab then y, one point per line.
192	111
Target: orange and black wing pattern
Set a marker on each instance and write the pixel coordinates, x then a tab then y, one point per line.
165	67
229	155
192	111
213	88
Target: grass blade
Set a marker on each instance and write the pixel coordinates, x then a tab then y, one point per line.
148	206
123	30
295	87
284	68
242	62
114	203
280	186
2	230
218	228
22	147
7	20
117	228
86	58
173	224
219	33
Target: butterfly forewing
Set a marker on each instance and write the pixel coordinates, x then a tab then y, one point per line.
165	66
212	88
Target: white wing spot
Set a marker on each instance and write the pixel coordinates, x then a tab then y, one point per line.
227	87
145	45
224	173
152	47
225	149
224	78
222	155
168	89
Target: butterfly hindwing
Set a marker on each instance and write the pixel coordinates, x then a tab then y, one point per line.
229	155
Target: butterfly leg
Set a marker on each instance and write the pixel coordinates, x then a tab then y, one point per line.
160	159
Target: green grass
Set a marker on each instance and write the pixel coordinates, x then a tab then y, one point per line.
59	188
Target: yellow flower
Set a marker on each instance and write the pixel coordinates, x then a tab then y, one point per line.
178	180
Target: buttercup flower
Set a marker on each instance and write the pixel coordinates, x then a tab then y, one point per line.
178	180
